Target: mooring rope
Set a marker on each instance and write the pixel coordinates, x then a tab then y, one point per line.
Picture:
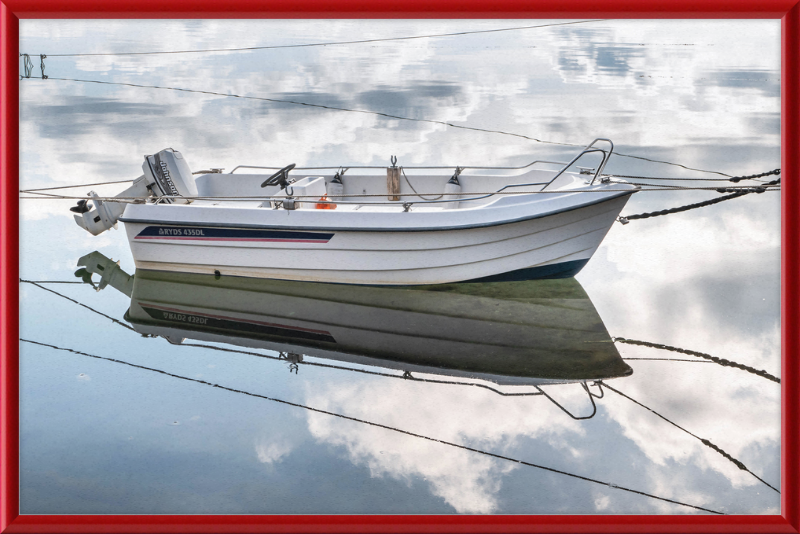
72	186
667	360
402	170
117	321
719	361
734	179
775	172
705	442
379	425
465	196
737	192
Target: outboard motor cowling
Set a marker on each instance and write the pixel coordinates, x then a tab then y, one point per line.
166	175
171	174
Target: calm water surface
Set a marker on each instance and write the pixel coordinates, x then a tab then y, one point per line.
480	398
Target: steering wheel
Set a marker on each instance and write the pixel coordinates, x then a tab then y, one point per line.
279	178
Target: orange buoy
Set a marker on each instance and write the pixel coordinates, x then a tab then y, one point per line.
325	204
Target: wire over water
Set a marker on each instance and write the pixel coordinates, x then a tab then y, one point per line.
117	321
379	425
330	43
376	113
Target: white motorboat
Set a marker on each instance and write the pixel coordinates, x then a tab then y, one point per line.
394	228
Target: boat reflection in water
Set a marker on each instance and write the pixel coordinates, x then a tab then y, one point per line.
532	333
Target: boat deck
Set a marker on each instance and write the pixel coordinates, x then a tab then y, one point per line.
395	207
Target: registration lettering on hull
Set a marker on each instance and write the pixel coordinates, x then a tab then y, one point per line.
231	234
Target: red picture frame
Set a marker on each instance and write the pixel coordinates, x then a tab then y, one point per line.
13	10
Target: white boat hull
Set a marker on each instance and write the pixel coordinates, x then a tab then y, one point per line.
486	244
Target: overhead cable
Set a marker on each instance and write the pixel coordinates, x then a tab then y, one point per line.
329	43
376	113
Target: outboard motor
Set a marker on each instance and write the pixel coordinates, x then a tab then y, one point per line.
166	175
109	270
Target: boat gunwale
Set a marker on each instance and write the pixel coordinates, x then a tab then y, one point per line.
396	229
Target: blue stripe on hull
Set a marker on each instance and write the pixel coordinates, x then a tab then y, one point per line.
230	234
566	269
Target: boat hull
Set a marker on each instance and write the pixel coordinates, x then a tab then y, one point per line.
551	245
